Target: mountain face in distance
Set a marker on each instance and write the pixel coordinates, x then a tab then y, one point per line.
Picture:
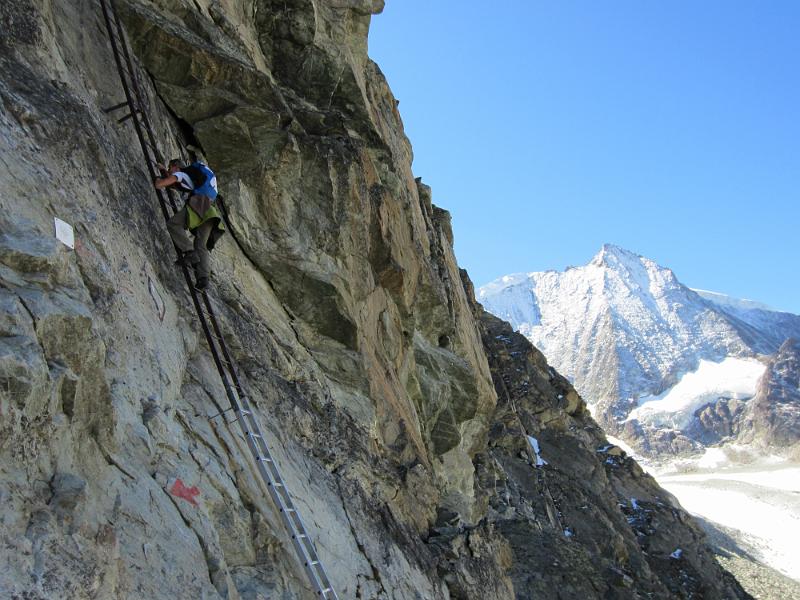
772	417
665	366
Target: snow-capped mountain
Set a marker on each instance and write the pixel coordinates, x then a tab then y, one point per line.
645	351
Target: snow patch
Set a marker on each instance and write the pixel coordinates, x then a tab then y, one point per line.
540	462
713	458
731	378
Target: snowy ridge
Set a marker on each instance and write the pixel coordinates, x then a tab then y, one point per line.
623	328
726	301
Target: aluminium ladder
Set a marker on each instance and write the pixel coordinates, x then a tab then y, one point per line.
239	401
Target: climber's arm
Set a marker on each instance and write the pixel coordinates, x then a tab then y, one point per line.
163	182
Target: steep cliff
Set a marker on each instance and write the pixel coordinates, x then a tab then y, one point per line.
772	417
343	306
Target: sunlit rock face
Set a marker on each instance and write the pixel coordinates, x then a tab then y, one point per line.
354	333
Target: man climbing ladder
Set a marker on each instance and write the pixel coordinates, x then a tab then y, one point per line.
199	215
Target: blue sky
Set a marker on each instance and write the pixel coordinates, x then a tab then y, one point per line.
548	128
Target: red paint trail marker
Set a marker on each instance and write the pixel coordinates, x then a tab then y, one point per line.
187	493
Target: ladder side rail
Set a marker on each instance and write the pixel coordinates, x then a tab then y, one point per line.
311	550
309	566
283	499
287	509
144	128
309	553
132	92
209	338
226	354
302	526
174	202
135	85
139	134
164	198
292	520
148	130
125	84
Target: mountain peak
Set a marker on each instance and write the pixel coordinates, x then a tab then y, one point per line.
612	255
626	310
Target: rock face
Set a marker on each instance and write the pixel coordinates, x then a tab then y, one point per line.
718	421
353	330
772	417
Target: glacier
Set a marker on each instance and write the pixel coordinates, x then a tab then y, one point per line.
732	377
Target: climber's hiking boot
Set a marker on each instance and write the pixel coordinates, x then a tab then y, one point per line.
201	283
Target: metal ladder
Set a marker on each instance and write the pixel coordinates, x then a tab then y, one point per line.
239	402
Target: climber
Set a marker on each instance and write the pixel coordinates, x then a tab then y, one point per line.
199	215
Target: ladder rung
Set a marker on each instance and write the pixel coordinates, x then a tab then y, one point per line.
289	510
313	563
276	484
300	536
255	435
115	107
264	459
227	410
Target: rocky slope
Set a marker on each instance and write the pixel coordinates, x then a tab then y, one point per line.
772	417
599	525
374	374
628	333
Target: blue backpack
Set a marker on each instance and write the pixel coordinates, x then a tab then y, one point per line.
203	179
